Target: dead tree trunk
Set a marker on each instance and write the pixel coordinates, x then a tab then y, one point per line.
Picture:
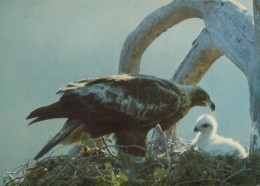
254	84
229	31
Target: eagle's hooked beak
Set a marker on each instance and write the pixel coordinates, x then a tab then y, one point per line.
210	103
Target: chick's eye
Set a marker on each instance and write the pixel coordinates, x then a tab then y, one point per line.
205	125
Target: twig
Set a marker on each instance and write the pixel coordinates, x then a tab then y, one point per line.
161	138
74	174
127	146
58	175
17	178
150	166
99	170
12	173
198	165
108	150
236	173
75	167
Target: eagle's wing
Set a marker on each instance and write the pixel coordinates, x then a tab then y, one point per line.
74	85
128	101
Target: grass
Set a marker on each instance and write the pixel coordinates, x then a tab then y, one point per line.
98	167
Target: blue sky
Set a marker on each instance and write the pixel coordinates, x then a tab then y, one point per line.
46	44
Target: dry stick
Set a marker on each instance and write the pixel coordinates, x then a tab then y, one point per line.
21	167
99	170
58	175
69	164
18	178
12	172
80	170
164	141
108	150
75	167
74	174
83	172
198	165
236	173
127	146
150	166
106	146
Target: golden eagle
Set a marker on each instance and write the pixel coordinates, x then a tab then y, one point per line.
126	105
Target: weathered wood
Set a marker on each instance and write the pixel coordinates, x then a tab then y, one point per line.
199	59
254	84
150	28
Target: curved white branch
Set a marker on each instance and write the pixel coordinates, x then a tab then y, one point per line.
151	27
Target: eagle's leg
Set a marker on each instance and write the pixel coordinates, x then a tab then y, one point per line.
170	129
132	142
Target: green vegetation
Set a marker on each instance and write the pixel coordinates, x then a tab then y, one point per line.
94	167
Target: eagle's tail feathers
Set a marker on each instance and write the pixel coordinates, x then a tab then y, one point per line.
36	120
61	135
54	110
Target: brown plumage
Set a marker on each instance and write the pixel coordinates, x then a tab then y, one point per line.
126	105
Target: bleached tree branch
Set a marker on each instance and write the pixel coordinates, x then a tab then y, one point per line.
200	57
150	28
231	31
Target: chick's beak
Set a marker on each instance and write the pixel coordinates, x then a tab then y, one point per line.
196	129
212	105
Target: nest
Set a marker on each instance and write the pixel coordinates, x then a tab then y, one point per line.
98	166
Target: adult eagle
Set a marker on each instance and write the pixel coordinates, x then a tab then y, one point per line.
126	105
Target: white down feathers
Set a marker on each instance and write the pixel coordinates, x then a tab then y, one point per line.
208	141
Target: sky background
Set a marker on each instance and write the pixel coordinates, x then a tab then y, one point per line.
46	44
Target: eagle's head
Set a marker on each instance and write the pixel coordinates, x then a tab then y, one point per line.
200	97
206	124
